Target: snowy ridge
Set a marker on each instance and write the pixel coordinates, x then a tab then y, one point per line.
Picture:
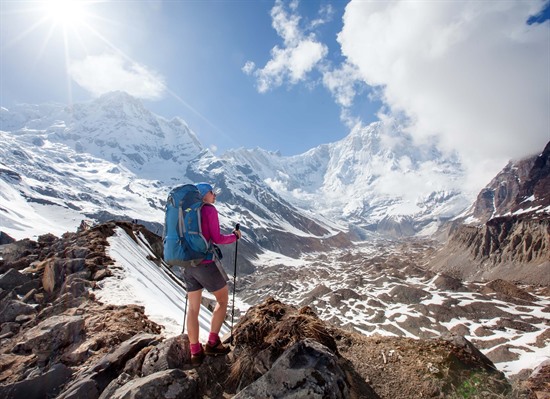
49	188
138	280
117	128
373	174
375	179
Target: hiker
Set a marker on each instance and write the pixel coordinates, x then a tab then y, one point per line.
207	275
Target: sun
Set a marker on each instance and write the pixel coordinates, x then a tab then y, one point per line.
66	13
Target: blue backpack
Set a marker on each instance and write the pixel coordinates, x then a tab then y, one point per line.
184	244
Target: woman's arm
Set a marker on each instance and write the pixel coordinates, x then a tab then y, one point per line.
211	227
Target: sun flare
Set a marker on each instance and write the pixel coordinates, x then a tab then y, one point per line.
66	12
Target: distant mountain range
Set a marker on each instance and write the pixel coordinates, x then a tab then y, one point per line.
112	158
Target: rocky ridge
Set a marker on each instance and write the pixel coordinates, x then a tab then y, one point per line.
58	340
506	233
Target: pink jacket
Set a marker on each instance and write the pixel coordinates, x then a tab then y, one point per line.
210	225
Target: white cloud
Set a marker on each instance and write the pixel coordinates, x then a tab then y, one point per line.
286	24
326	14
292	62
249	67
341	83
108	72
472	73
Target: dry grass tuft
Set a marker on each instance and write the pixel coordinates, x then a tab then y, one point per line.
266	331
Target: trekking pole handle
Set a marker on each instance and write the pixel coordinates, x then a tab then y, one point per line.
237	226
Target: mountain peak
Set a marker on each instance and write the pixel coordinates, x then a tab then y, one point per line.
118	104
117	95
119	98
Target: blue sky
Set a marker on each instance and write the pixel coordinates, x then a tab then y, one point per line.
291	75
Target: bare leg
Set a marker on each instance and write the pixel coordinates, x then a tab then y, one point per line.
218	316
193	308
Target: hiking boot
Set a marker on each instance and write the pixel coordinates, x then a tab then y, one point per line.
216	350
196	360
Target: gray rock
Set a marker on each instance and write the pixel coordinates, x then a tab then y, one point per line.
11	308
13	278
305	370
91	383
127	350
29	296
27	287
115	384
166	384
74	265
42	386
78	252
10	327
84	388
76	287
169	354
51	334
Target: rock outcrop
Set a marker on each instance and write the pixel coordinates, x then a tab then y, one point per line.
5	238
507	232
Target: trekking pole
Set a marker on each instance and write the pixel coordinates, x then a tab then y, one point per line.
237	227
185	310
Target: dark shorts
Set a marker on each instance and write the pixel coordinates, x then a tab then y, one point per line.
205	275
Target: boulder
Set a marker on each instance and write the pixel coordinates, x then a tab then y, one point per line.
51	334
305	370
91	383
81	388
52	277
45	385
169	354
173	384
11	308
13	278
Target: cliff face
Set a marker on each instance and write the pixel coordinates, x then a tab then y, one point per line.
507	233
507	239
503	248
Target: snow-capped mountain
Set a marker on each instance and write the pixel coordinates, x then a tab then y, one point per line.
47	187
374	179
113	158
116	128
97	161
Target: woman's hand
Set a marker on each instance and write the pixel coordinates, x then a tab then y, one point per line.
237	233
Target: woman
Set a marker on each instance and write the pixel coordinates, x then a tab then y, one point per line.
206	275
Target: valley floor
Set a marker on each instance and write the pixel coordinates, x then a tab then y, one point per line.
381	288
